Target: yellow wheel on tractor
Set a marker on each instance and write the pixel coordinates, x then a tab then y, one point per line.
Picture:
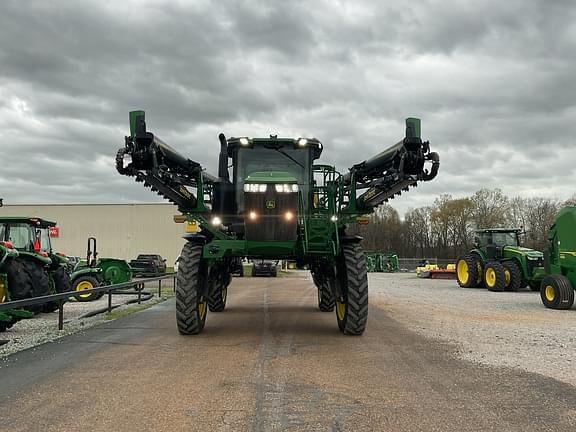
494	277
467	268
557	292
84	283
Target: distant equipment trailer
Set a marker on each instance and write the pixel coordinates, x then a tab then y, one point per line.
277	204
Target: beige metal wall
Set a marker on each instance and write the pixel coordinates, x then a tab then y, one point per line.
122	230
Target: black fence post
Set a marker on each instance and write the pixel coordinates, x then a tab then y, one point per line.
174	285
61	315
140	288
159	288
109	301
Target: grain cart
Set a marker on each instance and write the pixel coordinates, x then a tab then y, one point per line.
277	204
47	270
500	263
557	287
94	271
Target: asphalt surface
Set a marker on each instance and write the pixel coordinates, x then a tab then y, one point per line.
270	362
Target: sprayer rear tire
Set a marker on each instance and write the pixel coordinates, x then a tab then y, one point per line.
326	297
512	275
352	298
218	294
191	301
556	292
494	277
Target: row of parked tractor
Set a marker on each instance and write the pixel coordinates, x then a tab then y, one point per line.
499	263
30	267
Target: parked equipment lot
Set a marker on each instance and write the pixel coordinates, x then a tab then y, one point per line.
277	363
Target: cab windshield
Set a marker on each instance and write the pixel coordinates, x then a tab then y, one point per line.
21	236
499	239
287	159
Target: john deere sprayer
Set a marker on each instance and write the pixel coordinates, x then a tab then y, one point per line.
277	203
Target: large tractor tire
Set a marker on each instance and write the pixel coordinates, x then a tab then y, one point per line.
494	277
219	292
512	276
352	297
467	271
326	296
40	281
19	285
191	284
557	292
85	282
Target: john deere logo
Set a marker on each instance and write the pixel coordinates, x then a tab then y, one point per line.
270	204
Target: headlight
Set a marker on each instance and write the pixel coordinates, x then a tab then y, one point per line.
244	141
254	187
216	221
302	142
286	188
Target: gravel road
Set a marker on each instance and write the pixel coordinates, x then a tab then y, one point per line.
496	329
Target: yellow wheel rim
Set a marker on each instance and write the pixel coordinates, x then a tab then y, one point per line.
462	271
341	310
549	293
84	285
3	293
490	277
507	276
202	309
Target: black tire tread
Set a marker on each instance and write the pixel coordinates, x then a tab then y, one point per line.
356	291
500	278
564	291
515	275
188	290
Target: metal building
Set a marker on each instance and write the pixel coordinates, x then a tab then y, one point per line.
122	230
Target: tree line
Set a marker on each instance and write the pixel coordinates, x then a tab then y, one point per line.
446	228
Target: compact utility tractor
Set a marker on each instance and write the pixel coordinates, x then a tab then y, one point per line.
276	204
557	287
94	271
382	262
499	263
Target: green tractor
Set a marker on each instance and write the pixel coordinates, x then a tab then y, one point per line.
557	287
499	263
41	270
93	272
382	262
277	204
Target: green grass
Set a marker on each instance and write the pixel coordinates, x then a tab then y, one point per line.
115	314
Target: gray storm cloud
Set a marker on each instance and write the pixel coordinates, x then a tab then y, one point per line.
492	82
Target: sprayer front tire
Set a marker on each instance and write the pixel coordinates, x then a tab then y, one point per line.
191	301
352	298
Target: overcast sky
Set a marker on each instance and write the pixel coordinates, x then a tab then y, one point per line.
492	81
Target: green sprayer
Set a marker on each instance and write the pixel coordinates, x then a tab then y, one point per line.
277	203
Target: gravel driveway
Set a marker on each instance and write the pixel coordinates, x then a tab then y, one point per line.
500	329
